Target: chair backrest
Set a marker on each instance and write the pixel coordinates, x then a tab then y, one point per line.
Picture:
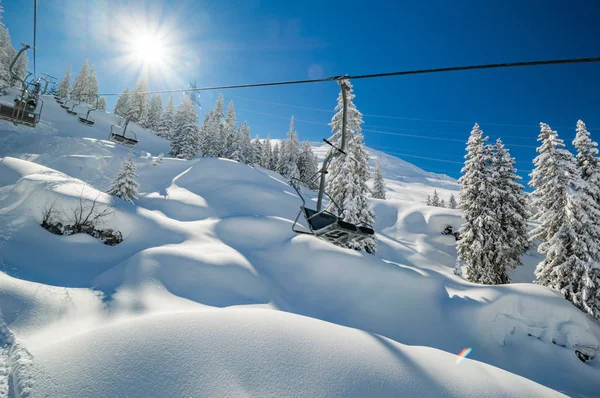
319	220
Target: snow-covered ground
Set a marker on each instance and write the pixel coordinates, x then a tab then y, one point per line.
212	294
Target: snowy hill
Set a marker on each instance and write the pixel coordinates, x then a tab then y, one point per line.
211	293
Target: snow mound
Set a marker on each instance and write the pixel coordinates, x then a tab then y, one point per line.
212	233
258	353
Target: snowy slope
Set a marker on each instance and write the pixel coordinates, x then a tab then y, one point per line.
212	294
405	181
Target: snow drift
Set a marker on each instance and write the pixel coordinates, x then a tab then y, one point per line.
147	317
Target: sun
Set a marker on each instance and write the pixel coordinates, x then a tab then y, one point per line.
148	48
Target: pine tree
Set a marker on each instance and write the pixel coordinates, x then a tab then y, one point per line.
246	144
4	54
138	103
166	127
307	166
91	87
442	203
219	127
550	179
243	149
289	156
274	164
154	113
229	132
212	131
257	149
477	246
125	185
102	103
452	202
586	293
265	157
511	208
435	200
80	86
281	158
65	85
186	140
347	184
122	105
428	200
378	183
588	164
565	229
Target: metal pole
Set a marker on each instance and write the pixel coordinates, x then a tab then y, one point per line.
334	152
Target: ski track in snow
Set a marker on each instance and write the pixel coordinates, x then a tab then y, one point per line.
16	379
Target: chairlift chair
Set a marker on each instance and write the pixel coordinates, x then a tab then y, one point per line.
25	109
120	138
87	120
321	222
71	111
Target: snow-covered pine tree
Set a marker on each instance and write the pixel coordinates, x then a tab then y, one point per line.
428	200
274	163
452	202
102	103
154	113
91	87
166	127
442	203
64	88
4	54
125	186
511	208
243	148
186	141
265	157
347	184
219	127
246	144
435	200
567	228
281	157
229	132
212	131
122	105
588	163
378	183
80	86
586	294
138	103
550	184
477	246
257	149
289	156
307	166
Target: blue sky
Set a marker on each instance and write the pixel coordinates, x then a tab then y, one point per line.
428	118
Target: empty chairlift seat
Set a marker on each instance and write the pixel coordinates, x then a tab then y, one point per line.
87	120
333	229
117	135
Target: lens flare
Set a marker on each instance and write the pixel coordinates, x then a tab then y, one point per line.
463	354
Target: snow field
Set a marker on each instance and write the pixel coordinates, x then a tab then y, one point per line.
146	317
